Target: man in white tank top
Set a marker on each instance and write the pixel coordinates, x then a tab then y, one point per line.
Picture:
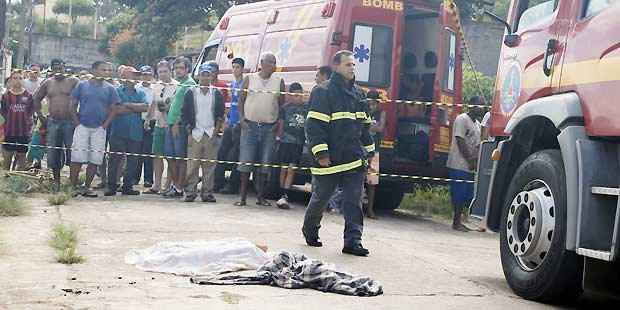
258	114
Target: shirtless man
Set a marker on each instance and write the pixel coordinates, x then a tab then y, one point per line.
57	89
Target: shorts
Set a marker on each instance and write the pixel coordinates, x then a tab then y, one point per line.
88	145
462	193
257	146
22	149
289	153
175	147
159	140
59	134
373	167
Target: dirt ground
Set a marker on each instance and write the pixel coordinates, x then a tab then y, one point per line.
422	264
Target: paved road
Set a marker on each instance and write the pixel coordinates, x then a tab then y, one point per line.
421	264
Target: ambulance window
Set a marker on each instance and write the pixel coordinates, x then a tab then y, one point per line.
450	59
372	50
595	6
534	11
209	53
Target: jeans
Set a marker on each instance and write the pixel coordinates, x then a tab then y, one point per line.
352	183
229	151
59	134
256	146
123	145
146	162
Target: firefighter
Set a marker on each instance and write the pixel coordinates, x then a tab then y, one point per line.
337	130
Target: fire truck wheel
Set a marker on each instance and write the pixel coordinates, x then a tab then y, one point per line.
533	233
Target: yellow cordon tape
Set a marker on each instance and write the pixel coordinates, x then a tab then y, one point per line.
316	171
409	102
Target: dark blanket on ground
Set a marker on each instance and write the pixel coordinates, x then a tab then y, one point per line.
293	271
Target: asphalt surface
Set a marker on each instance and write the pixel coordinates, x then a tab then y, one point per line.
422	264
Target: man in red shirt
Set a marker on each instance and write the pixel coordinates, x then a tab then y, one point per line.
17	108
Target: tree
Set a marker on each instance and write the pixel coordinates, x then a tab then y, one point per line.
477	84
74	8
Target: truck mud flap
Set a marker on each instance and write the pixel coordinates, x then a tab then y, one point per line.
483	179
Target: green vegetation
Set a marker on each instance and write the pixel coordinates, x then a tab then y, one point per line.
64	241
10	205
59	199
477	84
429	201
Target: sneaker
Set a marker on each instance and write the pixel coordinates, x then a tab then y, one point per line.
110	192
190	197
283	203
89	193
130	192
172	193
148	185
208	198
151	191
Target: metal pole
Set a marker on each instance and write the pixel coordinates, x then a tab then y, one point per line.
70	17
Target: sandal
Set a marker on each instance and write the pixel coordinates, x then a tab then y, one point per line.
263	203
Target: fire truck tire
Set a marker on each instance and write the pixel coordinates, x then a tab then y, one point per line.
536	264
388	196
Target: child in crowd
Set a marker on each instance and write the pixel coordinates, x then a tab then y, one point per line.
17	108
292	138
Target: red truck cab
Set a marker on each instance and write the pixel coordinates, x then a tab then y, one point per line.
395	43
555	176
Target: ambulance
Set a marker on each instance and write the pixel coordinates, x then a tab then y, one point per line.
404	49
555	163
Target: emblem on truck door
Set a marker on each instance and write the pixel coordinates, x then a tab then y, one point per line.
511	89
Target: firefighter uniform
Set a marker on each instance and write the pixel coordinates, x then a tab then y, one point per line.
338	126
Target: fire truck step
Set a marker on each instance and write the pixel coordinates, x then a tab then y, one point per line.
609	191
598	254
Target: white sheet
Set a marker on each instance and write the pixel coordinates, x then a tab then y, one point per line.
189	258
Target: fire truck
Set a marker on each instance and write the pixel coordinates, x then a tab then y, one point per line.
396	43
554	167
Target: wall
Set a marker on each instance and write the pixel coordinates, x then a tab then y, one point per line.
484	41
76	52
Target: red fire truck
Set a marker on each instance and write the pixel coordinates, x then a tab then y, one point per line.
396	43
555	169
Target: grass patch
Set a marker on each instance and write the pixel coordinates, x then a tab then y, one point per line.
429	201
10	205
58	199
64	241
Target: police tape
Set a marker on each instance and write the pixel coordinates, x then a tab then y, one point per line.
397	101
226	162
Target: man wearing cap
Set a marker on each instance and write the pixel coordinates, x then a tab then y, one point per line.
126	132
203	116
146	163
57	89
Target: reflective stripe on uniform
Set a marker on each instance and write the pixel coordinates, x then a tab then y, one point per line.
361	115
336	169
319	116
343	115
319	148
370	148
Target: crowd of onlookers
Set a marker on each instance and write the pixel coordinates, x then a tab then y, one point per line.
112	128
99	118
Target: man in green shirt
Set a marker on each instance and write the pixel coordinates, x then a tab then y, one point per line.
176	134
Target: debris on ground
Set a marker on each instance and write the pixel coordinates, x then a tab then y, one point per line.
295	271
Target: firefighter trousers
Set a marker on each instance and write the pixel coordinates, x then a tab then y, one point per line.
323	187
